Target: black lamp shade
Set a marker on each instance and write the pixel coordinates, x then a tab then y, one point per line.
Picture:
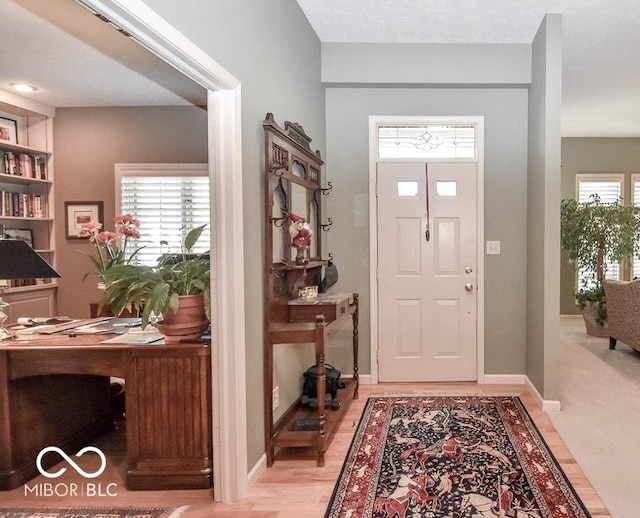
19	261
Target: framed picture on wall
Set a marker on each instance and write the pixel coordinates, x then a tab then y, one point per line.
8	131
23	234
78	213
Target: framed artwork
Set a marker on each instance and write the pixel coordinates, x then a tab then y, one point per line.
23	234
78	213
8	131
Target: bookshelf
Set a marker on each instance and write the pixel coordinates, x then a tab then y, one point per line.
27	197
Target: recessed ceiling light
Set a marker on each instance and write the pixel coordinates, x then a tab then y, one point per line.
23	87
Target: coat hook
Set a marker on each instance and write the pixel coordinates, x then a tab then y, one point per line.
279	222
330	257
327	190
327	225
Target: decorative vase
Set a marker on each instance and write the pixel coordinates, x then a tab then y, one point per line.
589	314
188	323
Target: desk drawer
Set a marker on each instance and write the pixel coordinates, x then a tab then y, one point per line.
306	311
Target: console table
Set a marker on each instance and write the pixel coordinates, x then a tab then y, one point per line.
57	389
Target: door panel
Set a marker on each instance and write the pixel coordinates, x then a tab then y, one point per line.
427	296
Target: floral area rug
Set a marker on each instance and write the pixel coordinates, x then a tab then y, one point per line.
454	457
86	512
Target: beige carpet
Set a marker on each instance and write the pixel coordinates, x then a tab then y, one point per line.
600	416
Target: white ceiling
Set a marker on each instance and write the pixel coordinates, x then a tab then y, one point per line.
601	44
77	60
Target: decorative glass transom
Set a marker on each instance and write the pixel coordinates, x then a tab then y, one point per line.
426	141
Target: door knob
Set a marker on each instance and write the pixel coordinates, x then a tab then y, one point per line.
468	286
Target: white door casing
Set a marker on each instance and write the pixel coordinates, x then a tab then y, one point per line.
375	320
227	272
426	277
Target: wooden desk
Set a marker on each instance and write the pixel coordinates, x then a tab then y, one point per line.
168	407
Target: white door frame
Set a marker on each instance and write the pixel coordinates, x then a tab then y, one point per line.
374	122
227	238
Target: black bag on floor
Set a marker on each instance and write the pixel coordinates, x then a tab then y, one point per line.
310	378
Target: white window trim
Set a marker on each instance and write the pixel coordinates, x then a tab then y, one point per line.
600	177
635	178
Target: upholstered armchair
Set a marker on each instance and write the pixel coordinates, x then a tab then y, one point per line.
623	312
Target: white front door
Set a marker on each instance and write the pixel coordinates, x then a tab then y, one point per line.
427	275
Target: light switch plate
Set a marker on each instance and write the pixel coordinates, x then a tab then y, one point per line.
493	247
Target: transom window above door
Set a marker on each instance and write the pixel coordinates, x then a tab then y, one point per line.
426	141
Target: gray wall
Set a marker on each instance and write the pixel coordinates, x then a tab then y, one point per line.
543	214
271	48
592	155
505	112
88	142
426	63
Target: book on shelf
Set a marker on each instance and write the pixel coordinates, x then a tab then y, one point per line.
22	164
23	205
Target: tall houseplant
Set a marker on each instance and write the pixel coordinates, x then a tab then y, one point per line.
592	233
162	289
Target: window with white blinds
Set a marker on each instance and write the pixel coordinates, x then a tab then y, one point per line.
610	188
168	200
635	199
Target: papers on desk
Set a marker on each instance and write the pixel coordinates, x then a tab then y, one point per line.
40	321
90	326
136	336
128	330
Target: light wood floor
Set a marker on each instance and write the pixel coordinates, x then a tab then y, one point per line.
296	487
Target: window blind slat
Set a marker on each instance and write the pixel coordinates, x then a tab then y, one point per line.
168	207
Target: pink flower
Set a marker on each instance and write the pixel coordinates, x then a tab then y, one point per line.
126	220
106	237
111	247
89	228
129	232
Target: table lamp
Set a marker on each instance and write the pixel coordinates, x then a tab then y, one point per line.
19	261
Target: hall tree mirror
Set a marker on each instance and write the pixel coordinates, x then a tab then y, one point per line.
295	321
292	190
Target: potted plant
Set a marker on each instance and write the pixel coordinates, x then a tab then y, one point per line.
176	290
592	233
112	248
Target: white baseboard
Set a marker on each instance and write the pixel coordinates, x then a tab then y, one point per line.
257	471
548	405
504	379
363	379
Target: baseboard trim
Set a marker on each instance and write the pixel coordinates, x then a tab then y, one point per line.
548	405
363	379
504	379
257	470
